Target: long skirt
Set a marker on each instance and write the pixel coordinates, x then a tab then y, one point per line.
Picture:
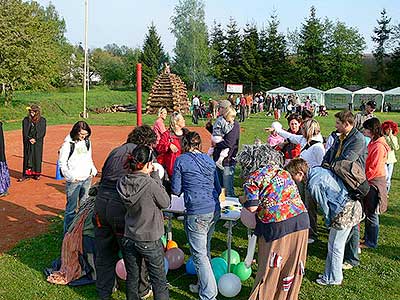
4	177
281	266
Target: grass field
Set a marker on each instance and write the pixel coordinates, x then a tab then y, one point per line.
377	278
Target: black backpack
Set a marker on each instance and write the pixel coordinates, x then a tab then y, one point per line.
72	149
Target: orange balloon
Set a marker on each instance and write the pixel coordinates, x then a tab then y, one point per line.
171	244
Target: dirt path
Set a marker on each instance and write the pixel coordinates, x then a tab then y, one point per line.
25	212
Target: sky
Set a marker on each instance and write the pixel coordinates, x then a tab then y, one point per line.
126	22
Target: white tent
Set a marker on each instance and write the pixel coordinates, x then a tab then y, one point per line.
392	99
394	92
281	90
370	93
312	93
338	98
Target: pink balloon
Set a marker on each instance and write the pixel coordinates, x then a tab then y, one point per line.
175	257
120	269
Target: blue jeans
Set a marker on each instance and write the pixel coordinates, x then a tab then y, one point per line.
153	254
351	250
77	192
333	273
371	203
199	230
225	177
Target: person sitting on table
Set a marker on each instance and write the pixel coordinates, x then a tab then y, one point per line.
195	175
282	223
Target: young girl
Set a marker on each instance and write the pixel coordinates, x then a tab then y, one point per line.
390	130
221	127
144	197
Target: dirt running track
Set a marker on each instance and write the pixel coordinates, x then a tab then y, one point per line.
25	212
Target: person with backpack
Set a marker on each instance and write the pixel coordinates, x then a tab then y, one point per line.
76	165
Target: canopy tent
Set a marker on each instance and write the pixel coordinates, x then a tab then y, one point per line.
366	94
280	90
338	98
312	93
392	100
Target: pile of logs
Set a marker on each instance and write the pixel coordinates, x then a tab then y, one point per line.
168	91
115	108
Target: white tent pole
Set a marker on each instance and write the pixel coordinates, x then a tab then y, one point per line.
383	101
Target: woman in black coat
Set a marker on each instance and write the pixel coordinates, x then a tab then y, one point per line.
33	132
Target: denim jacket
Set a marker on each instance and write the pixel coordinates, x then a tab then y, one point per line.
329	192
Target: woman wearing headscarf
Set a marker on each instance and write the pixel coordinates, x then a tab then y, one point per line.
4	173
33	132
170	144
281	223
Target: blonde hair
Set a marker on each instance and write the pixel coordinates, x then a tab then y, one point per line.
161	110
311	129
175	117
230	112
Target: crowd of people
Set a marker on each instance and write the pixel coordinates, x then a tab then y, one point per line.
346	176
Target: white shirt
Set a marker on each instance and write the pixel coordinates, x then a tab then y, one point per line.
314	154
80	165
196	101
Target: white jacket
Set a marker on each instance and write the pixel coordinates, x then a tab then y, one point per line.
80	165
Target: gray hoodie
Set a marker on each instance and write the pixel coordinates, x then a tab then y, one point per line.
144	197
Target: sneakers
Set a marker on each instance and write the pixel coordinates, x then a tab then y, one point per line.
347	266
194	288
148	295
321	281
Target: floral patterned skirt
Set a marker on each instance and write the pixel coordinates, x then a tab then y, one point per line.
4	177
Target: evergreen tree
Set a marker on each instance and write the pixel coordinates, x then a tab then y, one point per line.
310	54
250	68
152	58
381	37
233	53
274	53
217	51
394	63
191	59
344	54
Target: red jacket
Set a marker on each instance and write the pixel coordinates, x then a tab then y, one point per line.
165	156
376	159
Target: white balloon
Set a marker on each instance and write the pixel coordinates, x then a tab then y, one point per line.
229	285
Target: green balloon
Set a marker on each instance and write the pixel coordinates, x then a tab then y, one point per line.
241	271
235	258
164	240
219	267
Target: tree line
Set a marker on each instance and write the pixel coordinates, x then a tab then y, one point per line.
34	53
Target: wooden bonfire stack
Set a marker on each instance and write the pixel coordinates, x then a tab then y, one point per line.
169	91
